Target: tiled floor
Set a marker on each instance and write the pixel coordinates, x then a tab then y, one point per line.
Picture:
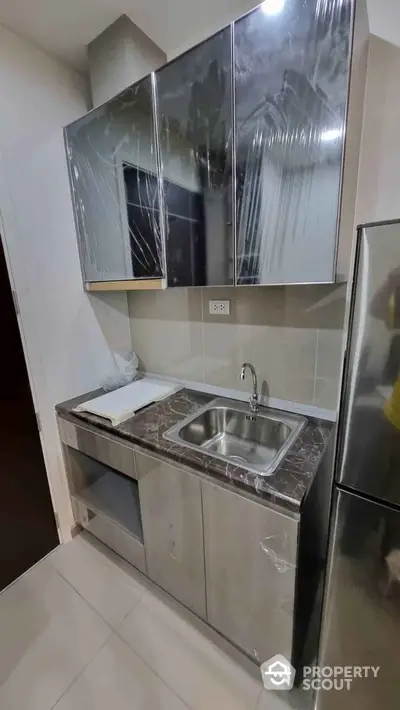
84	631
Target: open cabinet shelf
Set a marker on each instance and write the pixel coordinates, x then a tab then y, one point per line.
107	492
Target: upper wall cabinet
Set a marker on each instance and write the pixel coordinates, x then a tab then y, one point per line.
114	178
291	91
194	95
236	163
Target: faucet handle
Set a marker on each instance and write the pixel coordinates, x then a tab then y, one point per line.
254	402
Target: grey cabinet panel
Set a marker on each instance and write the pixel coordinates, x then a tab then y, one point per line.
170	503
111	453
291	89
113	168
250	555
194	97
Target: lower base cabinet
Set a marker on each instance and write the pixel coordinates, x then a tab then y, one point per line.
229	559
250	560
170	502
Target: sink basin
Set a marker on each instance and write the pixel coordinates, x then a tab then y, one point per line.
229	431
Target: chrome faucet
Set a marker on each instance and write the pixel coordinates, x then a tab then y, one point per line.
254	396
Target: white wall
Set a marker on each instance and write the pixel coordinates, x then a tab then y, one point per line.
67	335
384	18
378	196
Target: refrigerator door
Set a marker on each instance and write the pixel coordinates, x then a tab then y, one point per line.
369	440
361	620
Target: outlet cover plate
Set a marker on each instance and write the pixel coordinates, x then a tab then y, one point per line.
219	308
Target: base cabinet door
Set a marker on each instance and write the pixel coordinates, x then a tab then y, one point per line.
170	503
250	559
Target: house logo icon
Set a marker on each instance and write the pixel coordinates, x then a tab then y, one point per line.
277	673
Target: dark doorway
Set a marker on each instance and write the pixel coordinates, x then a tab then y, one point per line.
27	526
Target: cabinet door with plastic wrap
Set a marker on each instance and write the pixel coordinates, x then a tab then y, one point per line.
250	554
194	97
291	89
114	180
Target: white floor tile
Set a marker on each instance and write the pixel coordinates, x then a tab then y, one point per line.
270	701
296	699
117	679
48	634
106	586
55	647
197	670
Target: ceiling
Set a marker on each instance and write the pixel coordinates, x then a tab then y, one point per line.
384	19
64	27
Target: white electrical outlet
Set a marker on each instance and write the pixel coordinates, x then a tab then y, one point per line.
219	308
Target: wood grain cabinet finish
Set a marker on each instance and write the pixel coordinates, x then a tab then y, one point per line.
109	452
250	559
170	501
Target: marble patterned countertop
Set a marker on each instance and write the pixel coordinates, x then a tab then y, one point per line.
286	487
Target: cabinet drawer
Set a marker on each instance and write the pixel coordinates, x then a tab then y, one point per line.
250	560
110	534
99	447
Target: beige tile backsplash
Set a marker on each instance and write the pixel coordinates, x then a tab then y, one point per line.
292	335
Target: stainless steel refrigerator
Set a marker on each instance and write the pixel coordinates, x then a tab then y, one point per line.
361	618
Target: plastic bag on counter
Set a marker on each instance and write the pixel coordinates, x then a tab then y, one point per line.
122	369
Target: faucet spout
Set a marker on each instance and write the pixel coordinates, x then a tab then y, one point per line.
254	397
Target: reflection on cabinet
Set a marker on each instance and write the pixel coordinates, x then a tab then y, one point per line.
241	139
113	169
170	501
195	132
291	92
250	559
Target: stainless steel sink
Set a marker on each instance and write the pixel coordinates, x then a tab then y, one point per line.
229	431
